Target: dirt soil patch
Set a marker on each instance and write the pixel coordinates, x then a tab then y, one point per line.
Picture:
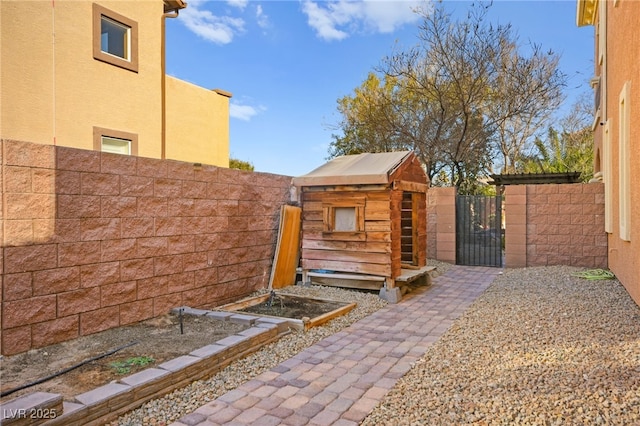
159	339
295	307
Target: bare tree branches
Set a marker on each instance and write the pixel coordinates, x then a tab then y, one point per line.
464	95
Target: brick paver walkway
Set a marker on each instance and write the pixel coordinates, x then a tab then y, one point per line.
339	380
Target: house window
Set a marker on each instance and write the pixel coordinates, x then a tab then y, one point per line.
607	177
624	154
343	220
114	141
115	145
115	38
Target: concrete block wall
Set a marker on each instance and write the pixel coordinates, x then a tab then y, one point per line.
441	224
555	225
92	241
514	209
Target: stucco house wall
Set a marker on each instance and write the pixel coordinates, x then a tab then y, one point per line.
54	91
623	43
616	82
197	126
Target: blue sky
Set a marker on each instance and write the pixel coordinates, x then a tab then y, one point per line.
287	63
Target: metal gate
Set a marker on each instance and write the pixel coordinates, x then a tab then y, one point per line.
479	230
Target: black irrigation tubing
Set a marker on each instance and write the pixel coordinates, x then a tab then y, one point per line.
66	370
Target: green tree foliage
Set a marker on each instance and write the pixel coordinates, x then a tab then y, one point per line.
367	124
569	149
234	163
458	99
526	101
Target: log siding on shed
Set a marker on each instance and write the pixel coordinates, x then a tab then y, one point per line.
370	256
375	186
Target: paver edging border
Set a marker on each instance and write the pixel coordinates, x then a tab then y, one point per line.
108	402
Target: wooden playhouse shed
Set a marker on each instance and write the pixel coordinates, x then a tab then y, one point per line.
364	222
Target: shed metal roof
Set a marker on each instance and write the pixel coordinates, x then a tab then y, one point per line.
359	169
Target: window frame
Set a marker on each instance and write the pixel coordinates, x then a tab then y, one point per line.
131	63
624	162
329	216
607	178
100	132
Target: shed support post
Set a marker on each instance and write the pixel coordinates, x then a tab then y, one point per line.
306	280
389	292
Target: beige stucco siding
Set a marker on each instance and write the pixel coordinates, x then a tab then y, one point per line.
197	124
26	89
54	88
623	40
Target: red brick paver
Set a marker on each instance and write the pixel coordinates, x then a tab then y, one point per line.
339	380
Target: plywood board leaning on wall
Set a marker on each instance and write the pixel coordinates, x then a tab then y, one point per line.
283	272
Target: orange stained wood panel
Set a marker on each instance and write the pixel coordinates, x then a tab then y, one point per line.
283	272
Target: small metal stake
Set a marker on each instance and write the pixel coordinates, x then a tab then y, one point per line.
181	323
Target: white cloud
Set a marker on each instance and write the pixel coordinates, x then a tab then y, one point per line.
218	29
335	20
261	18
244	112
240	4
324	21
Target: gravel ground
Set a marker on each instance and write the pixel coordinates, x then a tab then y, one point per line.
539	347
